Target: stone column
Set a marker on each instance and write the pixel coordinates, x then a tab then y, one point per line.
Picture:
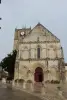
32	88
43	91
13	83
17	83
4	80
24	85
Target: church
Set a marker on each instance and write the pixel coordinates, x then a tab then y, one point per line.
40	57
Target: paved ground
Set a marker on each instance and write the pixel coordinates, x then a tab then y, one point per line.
51	93
7	93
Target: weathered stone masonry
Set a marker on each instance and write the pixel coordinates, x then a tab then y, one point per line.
40	55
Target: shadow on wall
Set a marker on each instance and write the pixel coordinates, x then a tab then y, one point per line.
20	82
24	84
29	85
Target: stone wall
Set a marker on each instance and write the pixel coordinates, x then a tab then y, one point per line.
51	54
26	70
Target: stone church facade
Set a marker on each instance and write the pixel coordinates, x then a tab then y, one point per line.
40	56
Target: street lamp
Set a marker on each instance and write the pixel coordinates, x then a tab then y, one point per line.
0	1
0	18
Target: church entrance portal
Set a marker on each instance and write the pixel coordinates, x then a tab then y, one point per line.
38	75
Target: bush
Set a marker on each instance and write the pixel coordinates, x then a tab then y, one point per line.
48	81
16	80
59	88
55	81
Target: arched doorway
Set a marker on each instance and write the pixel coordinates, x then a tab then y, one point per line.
38	75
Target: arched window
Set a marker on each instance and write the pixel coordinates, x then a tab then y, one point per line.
38	52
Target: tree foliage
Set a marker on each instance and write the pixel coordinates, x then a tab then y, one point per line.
8	63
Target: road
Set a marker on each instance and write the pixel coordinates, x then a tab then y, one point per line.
7	93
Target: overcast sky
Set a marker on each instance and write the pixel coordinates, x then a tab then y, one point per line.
19	13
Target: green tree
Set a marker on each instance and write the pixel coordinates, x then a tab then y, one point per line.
8	63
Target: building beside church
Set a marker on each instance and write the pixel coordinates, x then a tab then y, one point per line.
40	56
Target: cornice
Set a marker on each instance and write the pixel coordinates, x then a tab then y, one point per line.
42	59
31	42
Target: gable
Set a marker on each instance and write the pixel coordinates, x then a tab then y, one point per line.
41	33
